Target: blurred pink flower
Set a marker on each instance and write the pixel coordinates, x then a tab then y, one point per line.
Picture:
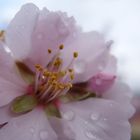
34	37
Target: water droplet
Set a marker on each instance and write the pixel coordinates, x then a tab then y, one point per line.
69	115
32	130
79	66
111	104
39	36
70	134
43	135
86	122
22	26
90	135
94	117
105	119
101	67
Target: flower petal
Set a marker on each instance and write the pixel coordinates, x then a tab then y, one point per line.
19	31
62	129
93	55
121	94
11	84
111	67
5	114
98	119
52	29
31	126
101	82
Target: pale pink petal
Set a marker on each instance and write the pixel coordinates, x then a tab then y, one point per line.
52	29
101	82
121	94
93	55
111	67
31	126
5	114
97	119
9	90
11	84
19	31
62	129
6	61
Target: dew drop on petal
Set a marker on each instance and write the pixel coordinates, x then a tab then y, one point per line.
111	105
43	135
94	117
90	135
32	130
79	67
39	36
69	115
101	66
105	119
22	26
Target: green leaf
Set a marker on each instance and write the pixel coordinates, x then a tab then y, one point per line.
25	72
52	110
23	104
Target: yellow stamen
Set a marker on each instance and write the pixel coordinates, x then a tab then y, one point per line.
49	51
75	54
58	62
2	32
52	81
61	47
38	67
70	70
72	76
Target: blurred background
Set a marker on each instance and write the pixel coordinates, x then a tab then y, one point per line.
119	20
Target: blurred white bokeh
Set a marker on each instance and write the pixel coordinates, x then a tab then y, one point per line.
118	19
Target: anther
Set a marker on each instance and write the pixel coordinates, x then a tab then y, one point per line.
72	76
2	32
61	47
70	70
49	51
75	54
38	67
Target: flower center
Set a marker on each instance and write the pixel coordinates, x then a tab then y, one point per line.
53	81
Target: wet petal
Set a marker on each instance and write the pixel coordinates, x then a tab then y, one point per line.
98	119
52	29
93	55
31	126
121	94
101	82
11	84
19	31
62	129
5	114
111	67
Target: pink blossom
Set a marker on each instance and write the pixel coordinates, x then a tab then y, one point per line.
35	38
